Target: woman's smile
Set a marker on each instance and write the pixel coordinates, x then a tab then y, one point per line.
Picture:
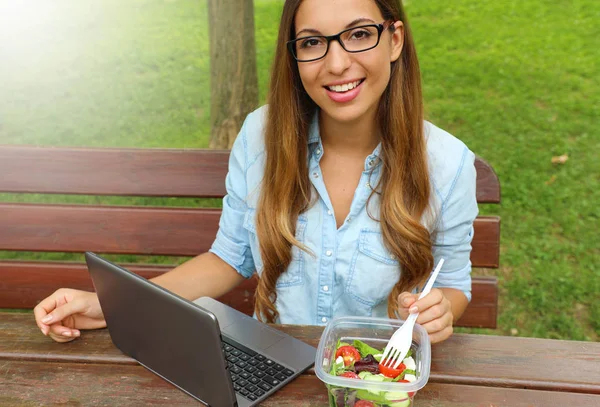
344	91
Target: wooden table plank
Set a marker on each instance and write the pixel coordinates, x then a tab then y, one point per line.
60	383
463	359
26	383
458	395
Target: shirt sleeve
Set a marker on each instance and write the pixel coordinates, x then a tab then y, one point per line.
232	243
452	238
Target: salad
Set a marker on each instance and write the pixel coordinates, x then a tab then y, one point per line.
359	361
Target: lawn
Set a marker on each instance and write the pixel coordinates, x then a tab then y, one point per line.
517	81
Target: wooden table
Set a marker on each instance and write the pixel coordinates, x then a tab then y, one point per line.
466	371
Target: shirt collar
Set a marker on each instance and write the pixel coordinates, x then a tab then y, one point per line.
314	135
315	147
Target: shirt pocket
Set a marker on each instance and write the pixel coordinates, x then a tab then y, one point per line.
373	270
294	274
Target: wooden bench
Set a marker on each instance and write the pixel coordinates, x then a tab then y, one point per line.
143	230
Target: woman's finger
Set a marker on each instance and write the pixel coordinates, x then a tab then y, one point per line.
62	333
405	300
435	296
441	335
431	314
64	311
42	310
438	324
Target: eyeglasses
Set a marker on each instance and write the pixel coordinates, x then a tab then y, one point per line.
355	39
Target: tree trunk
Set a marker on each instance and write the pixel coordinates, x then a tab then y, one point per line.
234	82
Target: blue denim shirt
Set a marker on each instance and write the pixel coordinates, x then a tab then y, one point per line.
352	272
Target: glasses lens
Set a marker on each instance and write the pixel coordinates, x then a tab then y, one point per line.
360	38
310	48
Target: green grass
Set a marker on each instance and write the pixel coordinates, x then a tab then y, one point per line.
517	81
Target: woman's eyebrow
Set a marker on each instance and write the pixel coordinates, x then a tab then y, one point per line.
351	24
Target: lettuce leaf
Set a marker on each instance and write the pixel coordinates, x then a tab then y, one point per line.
365	349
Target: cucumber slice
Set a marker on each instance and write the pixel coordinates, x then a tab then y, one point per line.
396	395
374	378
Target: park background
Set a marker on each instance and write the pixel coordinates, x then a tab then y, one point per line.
517	81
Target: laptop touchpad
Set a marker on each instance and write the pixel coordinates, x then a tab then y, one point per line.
252	333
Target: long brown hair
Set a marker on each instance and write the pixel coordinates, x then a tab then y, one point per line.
404	186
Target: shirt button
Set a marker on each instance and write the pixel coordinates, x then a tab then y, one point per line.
315	175
371	163
328	252
323	319
368	185
329	212
325	288
349	219
318	152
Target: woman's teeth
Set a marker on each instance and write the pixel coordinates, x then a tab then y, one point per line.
344	88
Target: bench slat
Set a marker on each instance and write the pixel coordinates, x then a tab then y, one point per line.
24	284
488	184
486	242
149	230
142	172
108	229
106	171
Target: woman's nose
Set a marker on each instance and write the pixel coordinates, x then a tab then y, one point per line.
337	59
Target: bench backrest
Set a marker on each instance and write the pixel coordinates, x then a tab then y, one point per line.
143	230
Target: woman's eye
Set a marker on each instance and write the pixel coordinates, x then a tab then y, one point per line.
360	35
310	42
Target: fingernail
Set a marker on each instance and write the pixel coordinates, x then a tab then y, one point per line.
66	333
76	333
413	310
47	318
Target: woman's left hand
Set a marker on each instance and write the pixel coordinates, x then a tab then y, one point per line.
435	313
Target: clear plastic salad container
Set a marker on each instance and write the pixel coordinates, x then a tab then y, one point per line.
356	392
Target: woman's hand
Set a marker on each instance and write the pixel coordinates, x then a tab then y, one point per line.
65	312
435	313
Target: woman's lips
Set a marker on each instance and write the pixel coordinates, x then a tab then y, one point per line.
344	97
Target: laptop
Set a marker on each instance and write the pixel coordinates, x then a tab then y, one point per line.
209	350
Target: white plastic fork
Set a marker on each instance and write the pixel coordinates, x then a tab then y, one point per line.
400	342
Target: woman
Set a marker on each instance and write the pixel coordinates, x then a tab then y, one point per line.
340	195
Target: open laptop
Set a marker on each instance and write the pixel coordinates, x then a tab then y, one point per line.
209	350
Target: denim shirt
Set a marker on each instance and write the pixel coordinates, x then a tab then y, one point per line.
351	272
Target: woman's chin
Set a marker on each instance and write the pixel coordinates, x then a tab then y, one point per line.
345	114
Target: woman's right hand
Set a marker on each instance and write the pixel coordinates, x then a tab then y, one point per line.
65	312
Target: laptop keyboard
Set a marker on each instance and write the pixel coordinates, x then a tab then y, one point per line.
253	374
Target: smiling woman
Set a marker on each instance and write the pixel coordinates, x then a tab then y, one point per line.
339	195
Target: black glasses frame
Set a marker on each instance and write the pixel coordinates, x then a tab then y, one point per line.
337	37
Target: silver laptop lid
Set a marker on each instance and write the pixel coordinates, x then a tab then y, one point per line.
169	335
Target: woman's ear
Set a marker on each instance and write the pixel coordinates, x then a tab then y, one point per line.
397	41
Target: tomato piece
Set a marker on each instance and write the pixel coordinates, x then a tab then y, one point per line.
364	403
410	393
349	353
350	375
390	371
